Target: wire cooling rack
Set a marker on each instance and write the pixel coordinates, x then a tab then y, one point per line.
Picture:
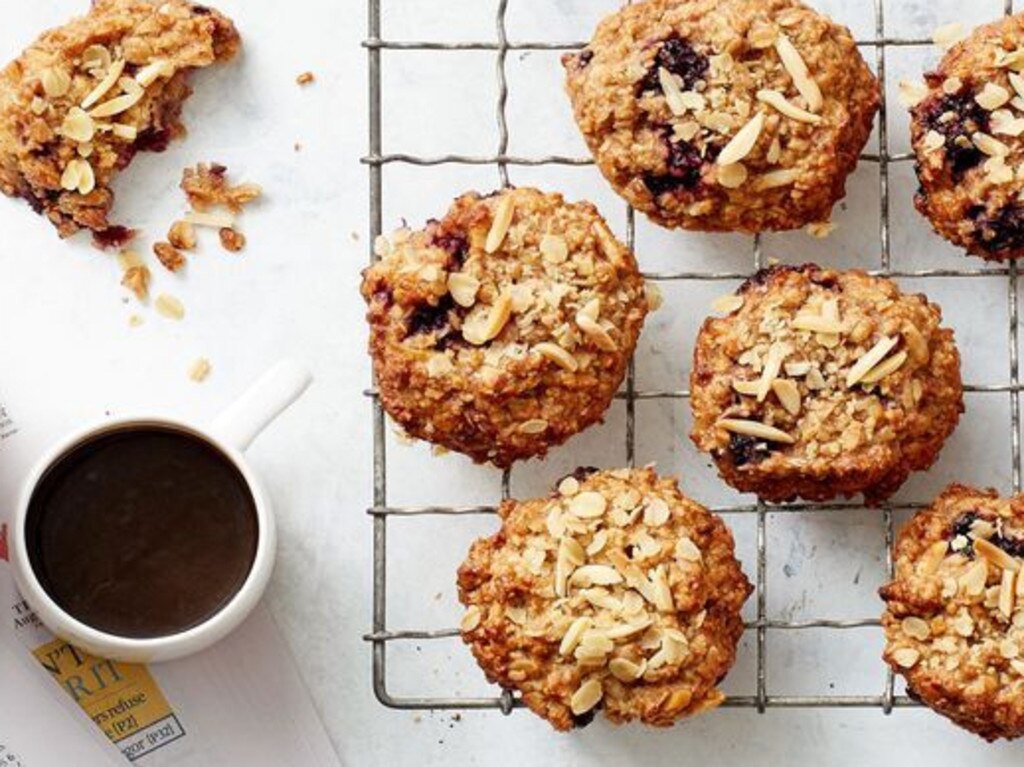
380	636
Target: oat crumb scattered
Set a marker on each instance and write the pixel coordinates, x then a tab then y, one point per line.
199	370
232	240
306	78
169	256
169	307
182	235
136	279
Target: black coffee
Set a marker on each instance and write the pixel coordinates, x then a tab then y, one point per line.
142	532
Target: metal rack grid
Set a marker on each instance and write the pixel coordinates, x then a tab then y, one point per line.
380	511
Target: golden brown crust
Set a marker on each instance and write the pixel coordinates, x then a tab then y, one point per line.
839	435
658	141
64	169
966	130
503	354
954	618
651	644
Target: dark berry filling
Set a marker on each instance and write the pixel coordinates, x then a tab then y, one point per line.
153	140
584	59
962	526
455	245
744	449
681	59
764	276
113	237
685	164
957	118
1002	231
435	319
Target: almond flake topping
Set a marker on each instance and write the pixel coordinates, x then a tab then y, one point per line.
152	72
743	142
673	93
776	178
503	215
588	505
595	575
788	394
885	368
78	176
470	619
586	320
554	249
777	354
533	426
586	697
483	326
558	355
56	82
727	304
1006	593
656	512
687	550
778	102
916	628
933	140
572	637
625	670
797	68
78	126
755	429
995	555
463	288
732	176
816	323
992	96
1004	123
870	358
108	82
990	146
169	307
906	657
1018	83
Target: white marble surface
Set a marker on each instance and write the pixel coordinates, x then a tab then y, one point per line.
67	354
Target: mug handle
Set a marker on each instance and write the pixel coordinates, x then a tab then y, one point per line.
264	401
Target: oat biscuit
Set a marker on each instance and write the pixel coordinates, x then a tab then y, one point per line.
616	593
78	104
954	618
820	383
506	327
724	115
967	122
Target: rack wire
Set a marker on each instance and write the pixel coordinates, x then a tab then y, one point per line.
380	512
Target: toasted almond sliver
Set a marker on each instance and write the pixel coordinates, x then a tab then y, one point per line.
470	619
797	68
776	178
973	580
503	215
995	555
815	323
463	288
656	512
490	324
593	330
117	105
586	697
572	637
69	179
743	142
216	220
554	248
1006	593
732	176
56	82
747	388
1018	83
777	354
588	505
991	146
169	307
916	628
778	102
625	670
906	657
533	426
595	575
933	140
687	550
884	368
788	394
992	96
108	82
755	429
673	93
558	355
727	304
868	360
152	72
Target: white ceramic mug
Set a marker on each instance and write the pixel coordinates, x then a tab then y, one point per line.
231	433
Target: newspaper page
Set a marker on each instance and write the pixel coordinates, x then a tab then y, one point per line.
240	702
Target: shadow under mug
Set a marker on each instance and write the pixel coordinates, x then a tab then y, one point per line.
231	433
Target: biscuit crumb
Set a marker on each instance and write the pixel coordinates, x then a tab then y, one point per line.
182	235
232	240
206	186
199	370
136	279
306	78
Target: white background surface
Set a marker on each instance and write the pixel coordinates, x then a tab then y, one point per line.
67	354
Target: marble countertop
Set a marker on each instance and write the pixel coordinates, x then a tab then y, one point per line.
68	354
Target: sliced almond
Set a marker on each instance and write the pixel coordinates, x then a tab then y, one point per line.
533	426
463	288
916	628
503	214
662	592
108	82
572	637
214	219
96	57
743	142
797	369
777	354
169	307
78	176
747	388
673	93
797	68
597	543
625	670
586	697
554	248
995	555
1017	82
558	355
815	380
992	96
572	551
687	550
595	575
727	304
56	82
952	85
153	71
775	179
932	141
656	512
586	320
470	619
869	359
991	146
788	394
126	132
755	429
199	370
117	105
906	657
1006	593
974	579
588	505
816	323
885	368
732	176
778	102
487	325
